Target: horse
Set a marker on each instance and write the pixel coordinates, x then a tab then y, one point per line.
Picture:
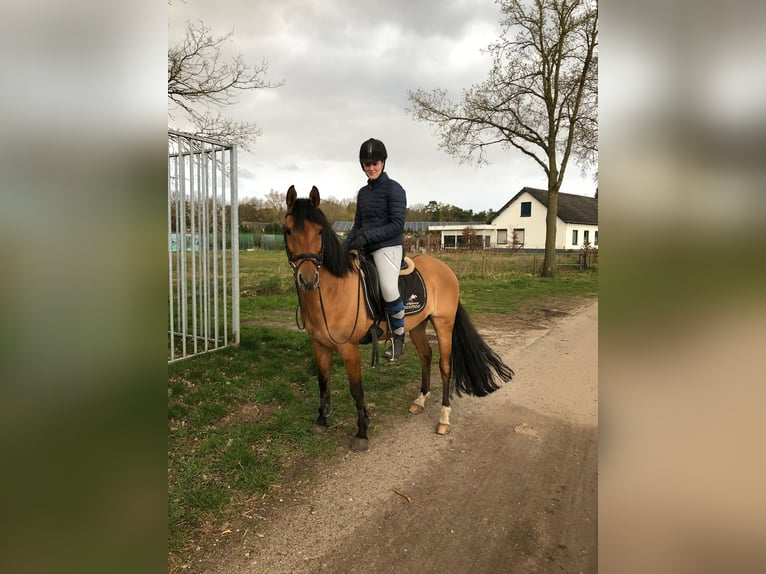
333	312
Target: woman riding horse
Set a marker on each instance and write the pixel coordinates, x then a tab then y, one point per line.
332	307
378	227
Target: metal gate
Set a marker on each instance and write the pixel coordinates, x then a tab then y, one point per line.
203	246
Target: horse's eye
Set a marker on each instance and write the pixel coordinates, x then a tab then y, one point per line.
287	231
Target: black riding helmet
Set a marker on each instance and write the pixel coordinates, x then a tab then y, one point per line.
372	150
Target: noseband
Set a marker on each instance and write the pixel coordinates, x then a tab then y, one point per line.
296	261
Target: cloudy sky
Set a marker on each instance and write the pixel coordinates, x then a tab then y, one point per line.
347	66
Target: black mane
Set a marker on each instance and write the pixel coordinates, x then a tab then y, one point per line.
336	259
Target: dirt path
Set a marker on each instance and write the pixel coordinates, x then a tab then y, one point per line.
512	488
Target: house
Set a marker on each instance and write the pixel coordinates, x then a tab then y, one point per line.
453	234
416	232
521	221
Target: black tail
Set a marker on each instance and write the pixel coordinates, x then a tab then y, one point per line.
473	362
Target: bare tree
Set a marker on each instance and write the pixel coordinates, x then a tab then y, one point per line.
201	81
540	97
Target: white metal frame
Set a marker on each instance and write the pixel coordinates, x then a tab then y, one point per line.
203	271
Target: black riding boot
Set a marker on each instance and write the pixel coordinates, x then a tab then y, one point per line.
398	345
397	348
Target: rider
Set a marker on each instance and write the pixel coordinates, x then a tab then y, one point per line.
378	227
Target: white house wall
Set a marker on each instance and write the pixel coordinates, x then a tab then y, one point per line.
534	225
581	228
454	231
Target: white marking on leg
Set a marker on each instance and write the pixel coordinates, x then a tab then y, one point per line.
444	417
421	400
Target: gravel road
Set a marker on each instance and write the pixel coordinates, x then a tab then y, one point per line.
512	487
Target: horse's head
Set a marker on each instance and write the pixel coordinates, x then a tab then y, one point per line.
310	241
304	241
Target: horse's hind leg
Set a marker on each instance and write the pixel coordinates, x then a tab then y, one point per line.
353	364
420	341
323	357
444	329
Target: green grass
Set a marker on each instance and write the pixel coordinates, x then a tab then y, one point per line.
504	283
238	419
266	284
212	465
509	294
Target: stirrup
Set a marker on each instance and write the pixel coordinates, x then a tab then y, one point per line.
396	349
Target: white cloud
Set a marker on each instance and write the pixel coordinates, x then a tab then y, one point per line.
347	68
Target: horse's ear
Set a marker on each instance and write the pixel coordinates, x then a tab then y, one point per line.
314	196
292	195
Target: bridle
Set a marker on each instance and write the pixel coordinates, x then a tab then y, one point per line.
317	259
295	261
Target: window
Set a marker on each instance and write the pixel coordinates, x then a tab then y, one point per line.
595	237
502	236
574	237
518	237
526	209
586	236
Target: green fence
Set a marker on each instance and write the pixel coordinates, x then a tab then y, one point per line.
265	241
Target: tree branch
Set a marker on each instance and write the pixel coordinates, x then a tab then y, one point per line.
200	80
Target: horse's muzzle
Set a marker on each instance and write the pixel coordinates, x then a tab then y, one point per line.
306	285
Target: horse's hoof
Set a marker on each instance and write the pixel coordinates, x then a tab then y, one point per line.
416	409
442	429
359	444
318	429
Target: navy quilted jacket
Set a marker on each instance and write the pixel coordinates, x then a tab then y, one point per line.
380	207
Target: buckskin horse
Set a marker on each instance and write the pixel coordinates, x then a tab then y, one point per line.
334	314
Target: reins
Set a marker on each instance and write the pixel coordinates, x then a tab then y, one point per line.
317	259
356	318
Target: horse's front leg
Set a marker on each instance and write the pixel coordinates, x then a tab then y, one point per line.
323	356
353	364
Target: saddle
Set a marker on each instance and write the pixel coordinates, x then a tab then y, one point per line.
412	290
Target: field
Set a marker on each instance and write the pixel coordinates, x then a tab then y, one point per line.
238	418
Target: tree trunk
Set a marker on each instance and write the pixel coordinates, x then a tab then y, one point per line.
549	261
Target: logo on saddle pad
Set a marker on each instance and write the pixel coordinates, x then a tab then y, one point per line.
412	304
